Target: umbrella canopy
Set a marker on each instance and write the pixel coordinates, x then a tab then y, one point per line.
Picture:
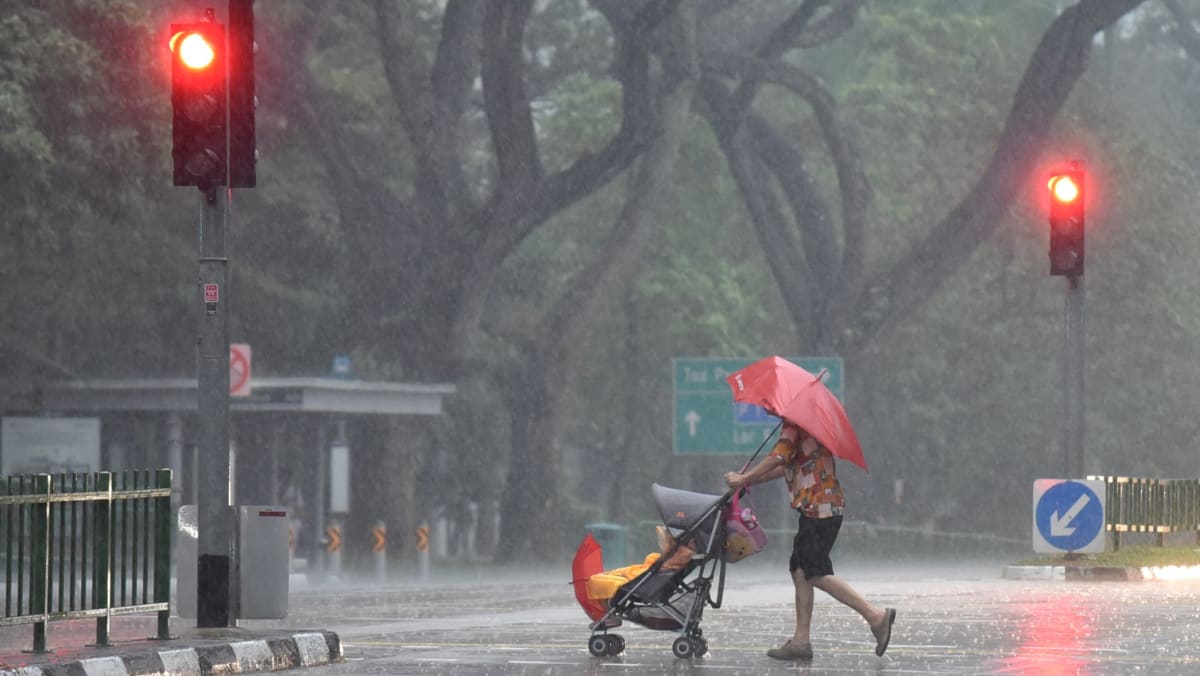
588	561
799	397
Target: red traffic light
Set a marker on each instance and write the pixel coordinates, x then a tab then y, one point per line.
1064	188
1067	221
193	49
198	103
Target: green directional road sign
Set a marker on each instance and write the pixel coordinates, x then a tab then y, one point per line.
707	421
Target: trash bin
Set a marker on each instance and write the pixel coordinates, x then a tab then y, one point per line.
611	537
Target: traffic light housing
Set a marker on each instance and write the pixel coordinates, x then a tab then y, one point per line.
198	102
1066	222
242	101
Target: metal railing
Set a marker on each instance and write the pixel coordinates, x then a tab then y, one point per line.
85	545
870	540
1158	506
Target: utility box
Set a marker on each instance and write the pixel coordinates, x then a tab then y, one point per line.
187	530
262	562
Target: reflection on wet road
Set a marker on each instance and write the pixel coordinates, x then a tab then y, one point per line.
962	620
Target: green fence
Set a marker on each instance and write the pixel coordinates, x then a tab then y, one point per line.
85	545
1156	506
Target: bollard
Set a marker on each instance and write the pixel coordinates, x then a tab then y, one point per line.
333	546
423	550
379	547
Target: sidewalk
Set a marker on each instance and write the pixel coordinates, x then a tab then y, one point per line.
192	652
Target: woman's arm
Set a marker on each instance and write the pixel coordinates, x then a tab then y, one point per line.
769	468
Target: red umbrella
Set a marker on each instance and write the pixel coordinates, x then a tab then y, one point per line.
588	561
791	393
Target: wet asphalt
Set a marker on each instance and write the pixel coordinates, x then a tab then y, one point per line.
951	619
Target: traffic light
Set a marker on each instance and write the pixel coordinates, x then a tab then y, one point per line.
198	102
242	101
1066	222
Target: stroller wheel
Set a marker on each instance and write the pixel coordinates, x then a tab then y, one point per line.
683	648
616	644
598	645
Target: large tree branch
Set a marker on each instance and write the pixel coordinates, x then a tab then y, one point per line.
563	337
506	223
770	222
1057	63
853	187
453	77
651	184
506	99
1185	29
431	100
809	209
798	31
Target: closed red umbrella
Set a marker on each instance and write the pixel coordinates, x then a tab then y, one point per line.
588	561
799	397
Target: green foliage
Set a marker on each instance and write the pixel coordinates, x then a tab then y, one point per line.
928	94
962	401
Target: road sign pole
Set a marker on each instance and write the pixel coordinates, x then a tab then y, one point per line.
1073	361
215	603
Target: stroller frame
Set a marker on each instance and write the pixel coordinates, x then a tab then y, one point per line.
665	592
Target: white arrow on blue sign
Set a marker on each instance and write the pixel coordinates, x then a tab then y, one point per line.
1068	516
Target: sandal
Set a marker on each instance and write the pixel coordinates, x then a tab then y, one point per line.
883	635
792	651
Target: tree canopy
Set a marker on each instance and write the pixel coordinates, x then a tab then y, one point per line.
544	202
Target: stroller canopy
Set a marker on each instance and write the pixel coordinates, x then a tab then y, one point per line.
682	509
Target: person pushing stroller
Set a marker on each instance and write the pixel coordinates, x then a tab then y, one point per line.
808	467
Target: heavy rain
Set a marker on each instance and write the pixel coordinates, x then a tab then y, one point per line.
482	272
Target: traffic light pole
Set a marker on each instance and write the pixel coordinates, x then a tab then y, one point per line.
1073	379
214	575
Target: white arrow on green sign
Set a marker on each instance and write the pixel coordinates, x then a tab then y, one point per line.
707	421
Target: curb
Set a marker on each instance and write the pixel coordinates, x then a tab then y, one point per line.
269	654
1048	573
1101	573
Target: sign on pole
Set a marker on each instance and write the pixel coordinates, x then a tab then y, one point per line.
706	419
239	370
30	445
1068	516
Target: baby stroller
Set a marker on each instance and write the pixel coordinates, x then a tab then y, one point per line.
670	594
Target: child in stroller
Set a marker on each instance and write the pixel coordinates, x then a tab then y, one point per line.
667	591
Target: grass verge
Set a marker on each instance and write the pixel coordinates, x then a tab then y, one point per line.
1136	556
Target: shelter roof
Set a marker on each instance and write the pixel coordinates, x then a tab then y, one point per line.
315	394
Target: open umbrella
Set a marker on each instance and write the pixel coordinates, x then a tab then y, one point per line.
791	393
588	561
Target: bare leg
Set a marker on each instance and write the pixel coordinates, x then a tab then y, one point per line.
843	592
804	608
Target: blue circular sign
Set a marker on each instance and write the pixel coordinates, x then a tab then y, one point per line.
1069	516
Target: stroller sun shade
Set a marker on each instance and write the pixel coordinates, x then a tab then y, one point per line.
680	509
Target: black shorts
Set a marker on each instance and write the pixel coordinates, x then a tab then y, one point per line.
812	545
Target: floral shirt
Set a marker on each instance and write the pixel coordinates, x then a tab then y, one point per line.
811	476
